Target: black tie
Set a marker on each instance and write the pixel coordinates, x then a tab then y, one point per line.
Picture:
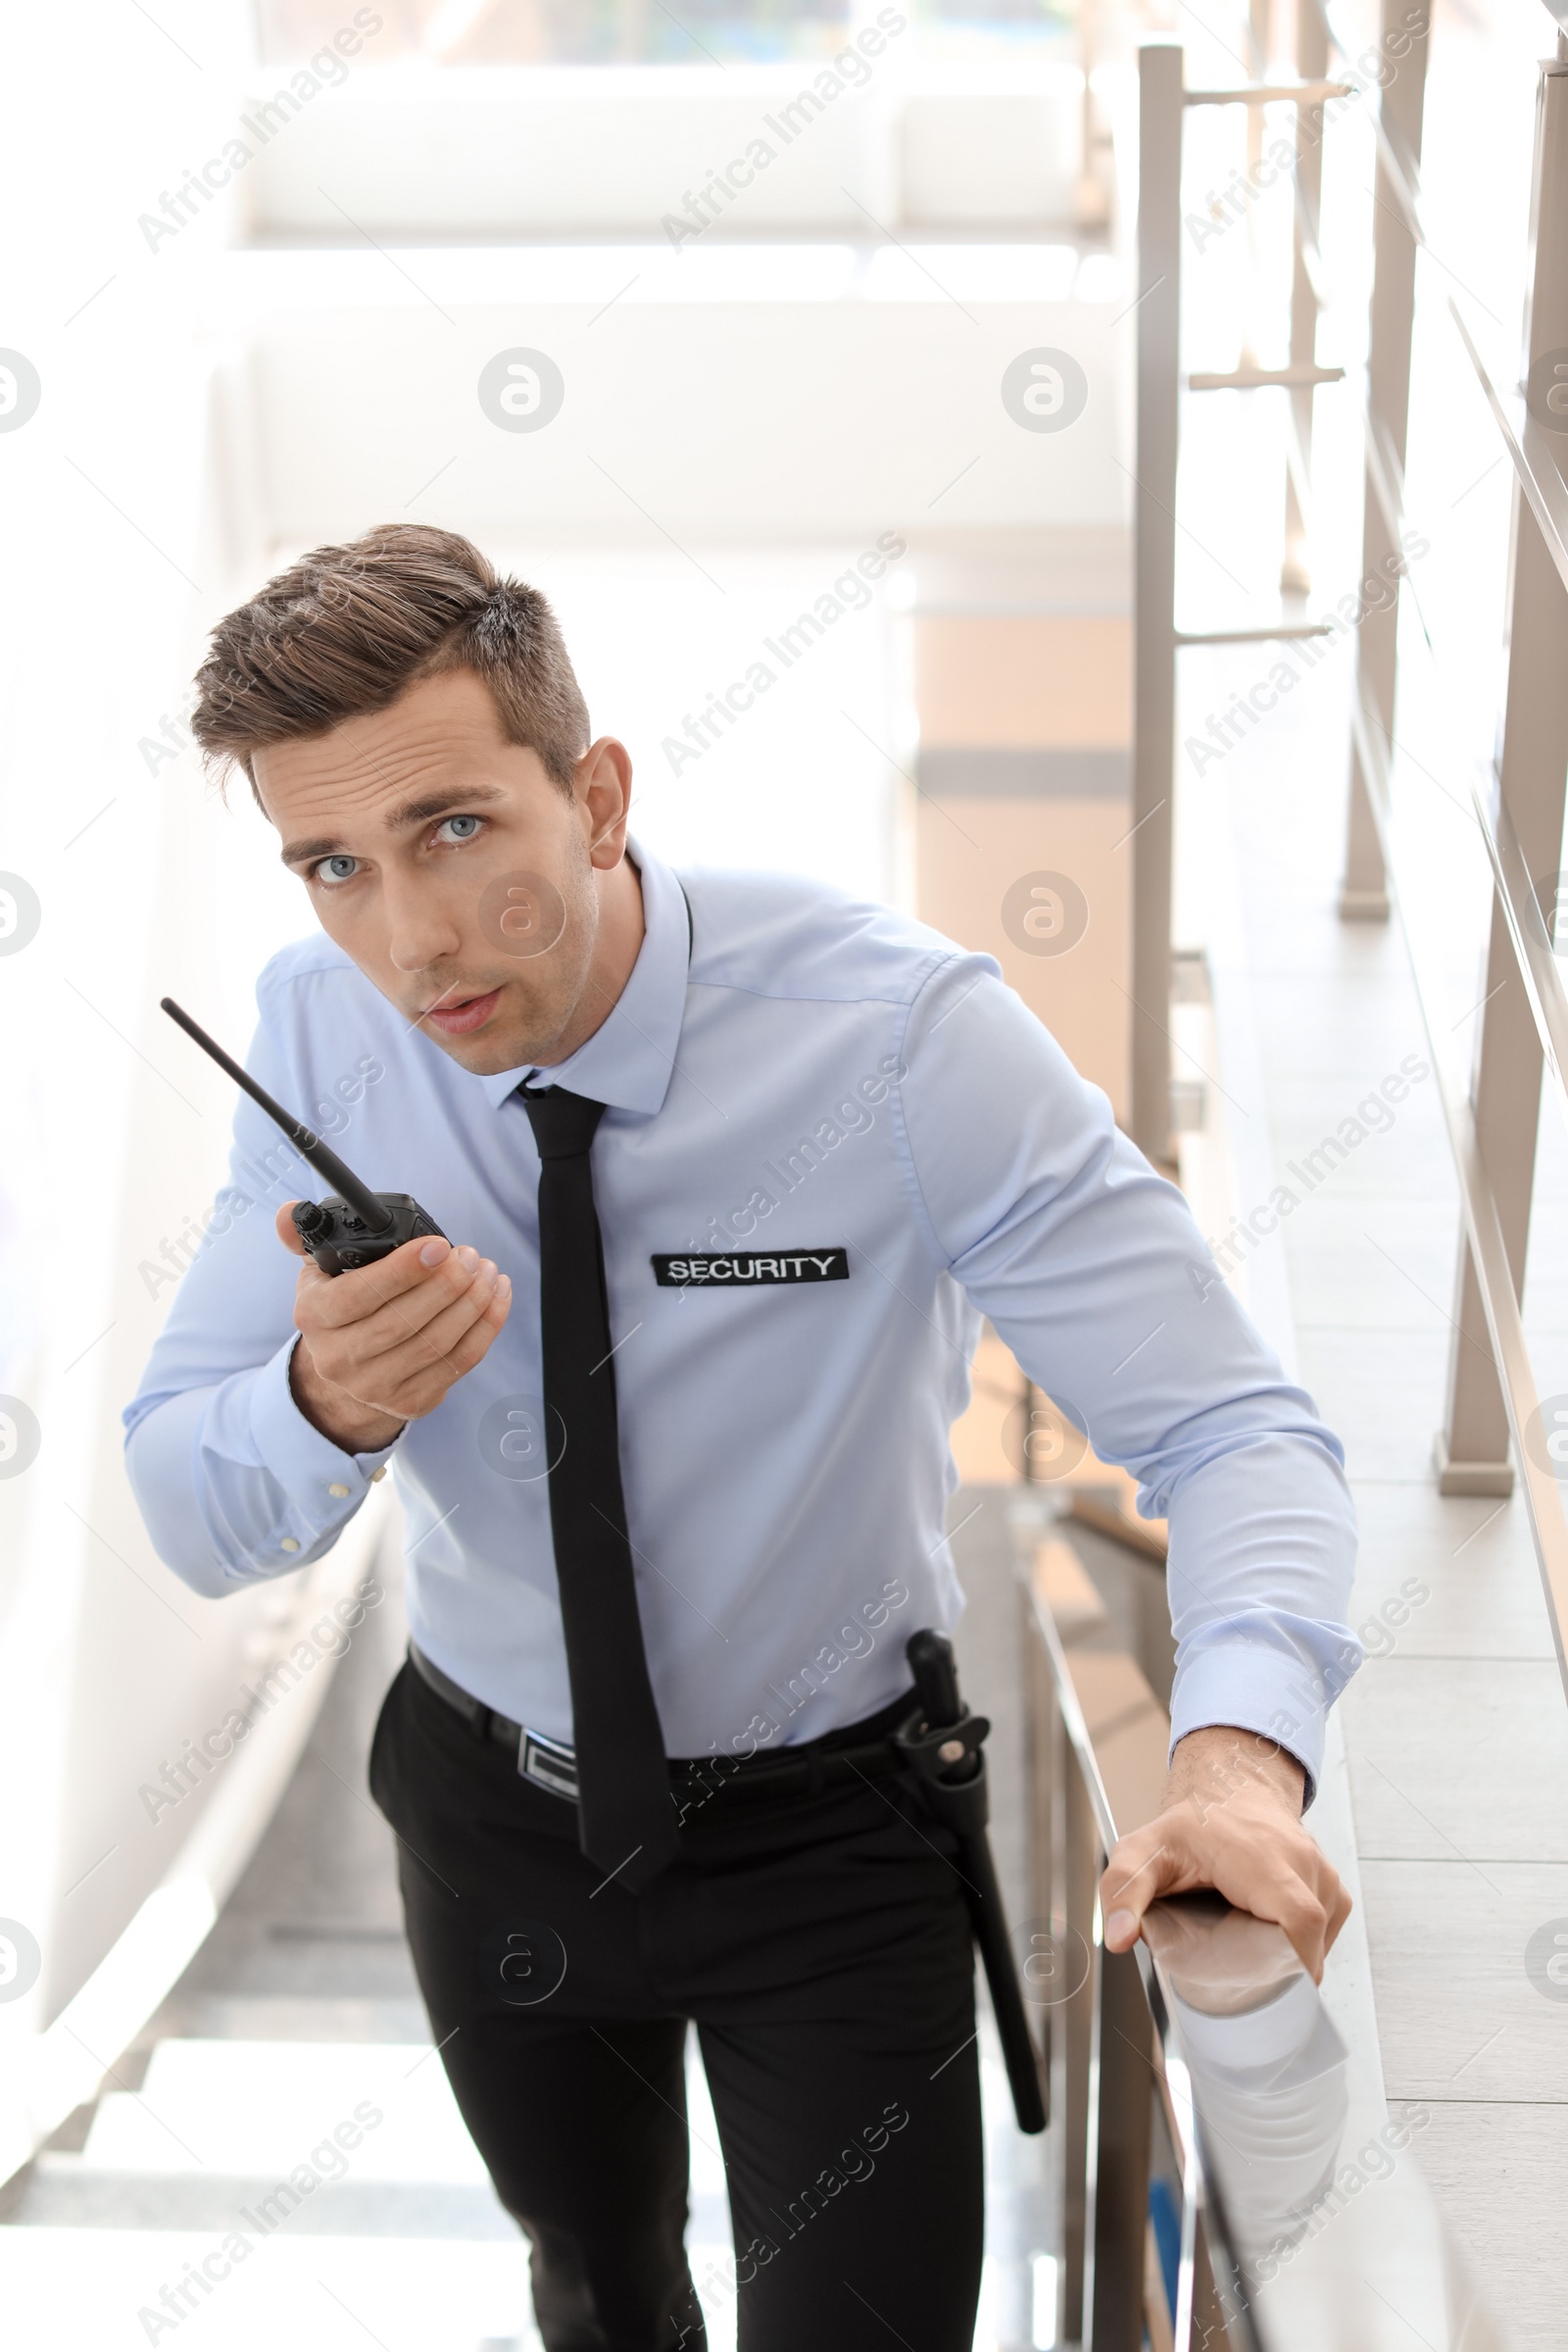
626	1819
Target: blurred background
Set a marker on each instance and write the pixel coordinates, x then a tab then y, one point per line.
678	311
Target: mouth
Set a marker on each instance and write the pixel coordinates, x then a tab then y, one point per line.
460	1017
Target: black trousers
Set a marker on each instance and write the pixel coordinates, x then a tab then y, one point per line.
820	1943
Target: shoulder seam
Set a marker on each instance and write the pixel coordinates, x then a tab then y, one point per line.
921	976
901	1128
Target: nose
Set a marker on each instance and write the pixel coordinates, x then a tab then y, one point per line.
421	929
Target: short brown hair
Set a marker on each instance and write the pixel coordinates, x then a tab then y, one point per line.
345	630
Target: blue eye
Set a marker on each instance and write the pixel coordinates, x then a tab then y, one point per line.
460	828
341	869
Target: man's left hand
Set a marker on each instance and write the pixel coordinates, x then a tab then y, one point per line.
1231	1819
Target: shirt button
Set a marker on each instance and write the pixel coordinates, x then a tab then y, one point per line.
376	1476
338	1491
290	1545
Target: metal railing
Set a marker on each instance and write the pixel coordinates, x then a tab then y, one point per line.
1157	639
1398	124
1208	2121
1493	1405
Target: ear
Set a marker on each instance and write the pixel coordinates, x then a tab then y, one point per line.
602	787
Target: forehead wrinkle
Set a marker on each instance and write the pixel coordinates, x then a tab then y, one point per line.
401	818
364	774
437	803
435	728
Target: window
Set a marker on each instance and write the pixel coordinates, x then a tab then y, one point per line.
566	32
644	32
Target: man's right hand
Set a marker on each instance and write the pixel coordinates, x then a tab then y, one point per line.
1231	1819
381	1346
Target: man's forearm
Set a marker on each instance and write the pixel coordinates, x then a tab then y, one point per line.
1210	1766
353	1427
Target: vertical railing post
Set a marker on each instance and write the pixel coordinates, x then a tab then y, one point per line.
1122	2077
1093	200
1312	63
1363	891
1533	760
1209	2331
1158	314
1080	1870
1259	51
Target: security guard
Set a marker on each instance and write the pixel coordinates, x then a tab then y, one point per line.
734	1166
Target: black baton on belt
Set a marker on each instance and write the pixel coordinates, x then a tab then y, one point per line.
941	1742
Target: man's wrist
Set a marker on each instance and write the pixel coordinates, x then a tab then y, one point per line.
1216	1762
340	1418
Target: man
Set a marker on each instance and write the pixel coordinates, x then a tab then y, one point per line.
733	1167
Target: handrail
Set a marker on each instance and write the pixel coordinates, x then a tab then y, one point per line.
1538	474
1538	470
1207	2058
1513	885
1526	926
1073	1720
1474	1444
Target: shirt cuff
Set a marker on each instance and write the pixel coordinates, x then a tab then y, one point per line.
324	1485
1252	1689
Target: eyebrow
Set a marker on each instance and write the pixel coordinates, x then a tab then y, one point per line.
398	820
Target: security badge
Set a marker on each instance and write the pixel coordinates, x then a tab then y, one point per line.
739	1268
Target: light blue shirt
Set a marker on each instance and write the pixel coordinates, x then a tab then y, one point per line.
791	1076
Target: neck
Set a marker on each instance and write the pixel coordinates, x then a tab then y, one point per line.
617	944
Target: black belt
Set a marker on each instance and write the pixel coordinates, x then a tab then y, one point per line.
860	1751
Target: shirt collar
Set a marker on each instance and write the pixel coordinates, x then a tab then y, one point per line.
630	1058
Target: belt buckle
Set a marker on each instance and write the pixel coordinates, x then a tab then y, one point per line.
550	1764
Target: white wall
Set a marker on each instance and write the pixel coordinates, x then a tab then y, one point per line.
117	548
605	151
710	402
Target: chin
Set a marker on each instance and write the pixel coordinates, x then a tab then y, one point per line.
484	1054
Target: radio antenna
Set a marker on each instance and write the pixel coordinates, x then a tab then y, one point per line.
365	1205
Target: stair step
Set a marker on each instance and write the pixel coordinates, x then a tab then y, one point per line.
399	2237
94	2290
265	2109
63	2194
